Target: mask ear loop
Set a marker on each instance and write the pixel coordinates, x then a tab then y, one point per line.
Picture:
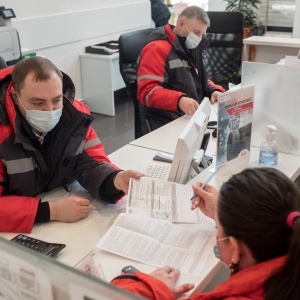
19	99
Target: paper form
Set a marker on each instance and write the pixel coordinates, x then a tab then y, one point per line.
159	243
163	200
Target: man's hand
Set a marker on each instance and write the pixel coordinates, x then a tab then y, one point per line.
69	209
121	180
188	105
169	275
214	97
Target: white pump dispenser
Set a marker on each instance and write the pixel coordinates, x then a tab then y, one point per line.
268	153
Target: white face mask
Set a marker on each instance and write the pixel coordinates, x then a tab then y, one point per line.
192	40
42	121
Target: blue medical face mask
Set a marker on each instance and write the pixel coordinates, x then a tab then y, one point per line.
216	247
217	251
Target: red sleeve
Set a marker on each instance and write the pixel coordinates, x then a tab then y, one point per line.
152	74
144	285
17	214
216	86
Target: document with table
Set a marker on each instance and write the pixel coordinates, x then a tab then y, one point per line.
163	200
158	243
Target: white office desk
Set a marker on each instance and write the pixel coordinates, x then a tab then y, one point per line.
271	49
165	138
80	237
289	164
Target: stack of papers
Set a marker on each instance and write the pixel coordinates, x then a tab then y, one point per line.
159	243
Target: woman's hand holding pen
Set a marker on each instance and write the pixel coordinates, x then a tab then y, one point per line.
206	199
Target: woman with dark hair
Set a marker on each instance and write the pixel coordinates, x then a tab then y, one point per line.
257	213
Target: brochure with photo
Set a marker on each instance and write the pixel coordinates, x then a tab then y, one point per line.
235	112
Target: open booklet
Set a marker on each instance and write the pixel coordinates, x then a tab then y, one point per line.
159	242
166	200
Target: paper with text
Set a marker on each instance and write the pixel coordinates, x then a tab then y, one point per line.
20	279
166	200
159	243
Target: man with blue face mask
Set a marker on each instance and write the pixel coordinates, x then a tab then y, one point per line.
46	141
172	80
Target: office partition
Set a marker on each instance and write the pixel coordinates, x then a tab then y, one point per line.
276	102
25	274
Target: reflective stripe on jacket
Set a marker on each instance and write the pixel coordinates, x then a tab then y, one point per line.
72	150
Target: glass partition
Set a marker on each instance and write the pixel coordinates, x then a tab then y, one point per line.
25	274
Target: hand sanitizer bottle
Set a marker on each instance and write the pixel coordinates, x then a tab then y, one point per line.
268	153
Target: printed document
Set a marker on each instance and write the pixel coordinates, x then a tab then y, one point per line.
159	243
161	199
20	279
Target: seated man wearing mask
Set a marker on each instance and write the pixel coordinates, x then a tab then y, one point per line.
47	141
172	80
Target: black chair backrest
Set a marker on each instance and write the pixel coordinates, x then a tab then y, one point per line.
224	55
2	63
130	46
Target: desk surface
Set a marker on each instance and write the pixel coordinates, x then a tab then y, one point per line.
81	237
165	138
272	41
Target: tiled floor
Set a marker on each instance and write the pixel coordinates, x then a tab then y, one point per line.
116	132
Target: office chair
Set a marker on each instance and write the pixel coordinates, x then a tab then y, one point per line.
223	57
2	63
130	46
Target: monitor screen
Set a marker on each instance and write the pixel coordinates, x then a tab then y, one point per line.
188	143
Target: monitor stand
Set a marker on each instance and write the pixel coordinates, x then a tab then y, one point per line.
200	161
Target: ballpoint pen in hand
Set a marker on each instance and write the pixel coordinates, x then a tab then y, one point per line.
204	184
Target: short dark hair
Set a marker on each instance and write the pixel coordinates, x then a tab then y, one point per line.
39	66
195	12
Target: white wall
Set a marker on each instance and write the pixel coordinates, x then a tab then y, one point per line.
61	29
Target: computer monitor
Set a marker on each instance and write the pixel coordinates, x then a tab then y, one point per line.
187	154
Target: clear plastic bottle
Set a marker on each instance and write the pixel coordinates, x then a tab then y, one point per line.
268	153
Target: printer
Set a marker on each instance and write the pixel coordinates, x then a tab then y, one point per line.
10	48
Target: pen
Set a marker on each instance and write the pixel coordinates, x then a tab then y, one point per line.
204	184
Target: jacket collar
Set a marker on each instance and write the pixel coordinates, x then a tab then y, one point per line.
248	283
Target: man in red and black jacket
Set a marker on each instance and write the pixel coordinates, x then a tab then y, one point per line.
172	80
46	141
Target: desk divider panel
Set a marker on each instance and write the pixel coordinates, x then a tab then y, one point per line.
26	274
276	102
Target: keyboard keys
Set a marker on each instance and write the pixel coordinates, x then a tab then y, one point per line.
158	171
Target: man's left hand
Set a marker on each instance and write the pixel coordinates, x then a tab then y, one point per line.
122	178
